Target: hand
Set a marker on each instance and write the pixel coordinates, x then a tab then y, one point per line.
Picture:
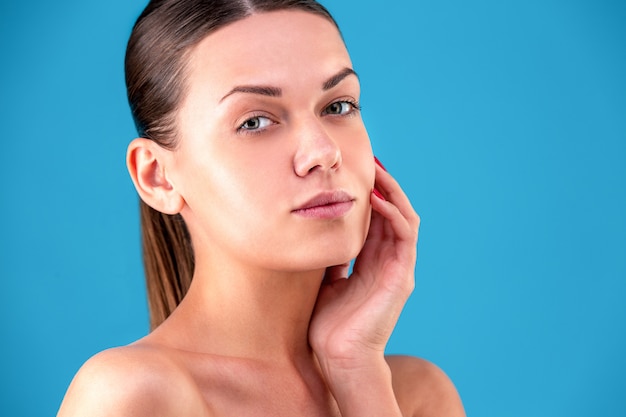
354	317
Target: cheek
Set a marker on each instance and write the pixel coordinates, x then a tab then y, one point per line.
357	153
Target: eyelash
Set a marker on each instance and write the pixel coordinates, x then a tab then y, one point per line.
354	107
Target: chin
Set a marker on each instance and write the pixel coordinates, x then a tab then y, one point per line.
346	249
334	246
340	252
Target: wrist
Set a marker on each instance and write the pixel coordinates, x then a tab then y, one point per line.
361	387
347	366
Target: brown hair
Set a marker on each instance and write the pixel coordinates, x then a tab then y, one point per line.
156	55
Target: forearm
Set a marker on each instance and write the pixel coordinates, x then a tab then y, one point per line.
362	390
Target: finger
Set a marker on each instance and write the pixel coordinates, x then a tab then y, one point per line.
375	235
392	192
377	223
396	224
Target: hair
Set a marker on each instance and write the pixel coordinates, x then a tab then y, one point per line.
155	66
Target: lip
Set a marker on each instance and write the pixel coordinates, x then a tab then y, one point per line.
326	205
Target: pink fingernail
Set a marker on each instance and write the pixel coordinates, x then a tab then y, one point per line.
378	194
379	164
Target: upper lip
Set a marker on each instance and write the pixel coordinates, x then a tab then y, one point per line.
326	198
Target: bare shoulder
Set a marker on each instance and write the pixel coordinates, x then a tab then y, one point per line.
130	380
423	389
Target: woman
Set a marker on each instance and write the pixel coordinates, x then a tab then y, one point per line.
257	179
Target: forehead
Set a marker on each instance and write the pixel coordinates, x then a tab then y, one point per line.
278	48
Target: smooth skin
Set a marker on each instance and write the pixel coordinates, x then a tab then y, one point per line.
270	327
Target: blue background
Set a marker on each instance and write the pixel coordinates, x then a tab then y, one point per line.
505	121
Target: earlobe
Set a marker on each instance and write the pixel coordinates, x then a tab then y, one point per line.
145	160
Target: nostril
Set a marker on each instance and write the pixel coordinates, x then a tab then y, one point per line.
338	160
316	167
316	151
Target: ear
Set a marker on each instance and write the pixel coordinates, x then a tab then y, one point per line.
145	160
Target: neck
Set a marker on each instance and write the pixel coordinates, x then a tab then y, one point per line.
244	312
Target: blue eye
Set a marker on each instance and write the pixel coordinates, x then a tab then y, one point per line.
340	108
255	123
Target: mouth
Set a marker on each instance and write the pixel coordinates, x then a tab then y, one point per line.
326	205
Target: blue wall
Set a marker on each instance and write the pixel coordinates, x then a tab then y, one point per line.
505	122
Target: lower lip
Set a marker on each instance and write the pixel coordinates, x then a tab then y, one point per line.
328	211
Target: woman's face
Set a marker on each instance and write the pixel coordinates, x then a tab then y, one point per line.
274	162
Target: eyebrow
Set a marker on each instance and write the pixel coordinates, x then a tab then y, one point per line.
337	78
255	89
270	91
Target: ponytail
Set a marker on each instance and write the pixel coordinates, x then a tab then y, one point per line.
168	261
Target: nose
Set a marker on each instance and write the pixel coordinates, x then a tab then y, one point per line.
316	151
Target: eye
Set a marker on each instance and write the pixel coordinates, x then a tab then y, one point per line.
255	123
340	108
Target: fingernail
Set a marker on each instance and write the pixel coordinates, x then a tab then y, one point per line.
379	164
378	194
